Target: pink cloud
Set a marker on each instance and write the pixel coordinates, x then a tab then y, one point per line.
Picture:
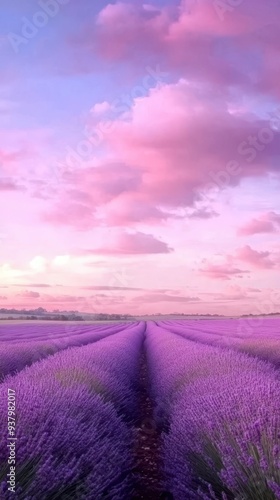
189	141
224	271
203	213
262	260
170	291
111	288
98	295
3	297
33	285
132	244
120	25
28	294
78	215
188	38
229	268
10	185
61	298
177	144
97	187
103	182
162	297
126	31
130	208
266	223
7	157
234	292
102	301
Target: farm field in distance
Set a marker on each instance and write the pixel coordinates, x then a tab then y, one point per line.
158	409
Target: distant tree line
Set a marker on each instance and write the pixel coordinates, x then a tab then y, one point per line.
268	314
56	315
45	317
39	310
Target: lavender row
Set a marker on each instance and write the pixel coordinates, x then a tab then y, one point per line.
72	442
264	344
239	328
15	356
23	331
220	413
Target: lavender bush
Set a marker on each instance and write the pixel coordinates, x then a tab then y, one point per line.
14	356
257	337
72	438
221	415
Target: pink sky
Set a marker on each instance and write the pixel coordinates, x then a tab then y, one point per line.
139	156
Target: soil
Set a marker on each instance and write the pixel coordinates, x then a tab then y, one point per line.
147	449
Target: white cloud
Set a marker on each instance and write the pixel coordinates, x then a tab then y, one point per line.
61	260
38	264
100	108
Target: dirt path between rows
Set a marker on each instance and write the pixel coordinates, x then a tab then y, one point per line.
147	449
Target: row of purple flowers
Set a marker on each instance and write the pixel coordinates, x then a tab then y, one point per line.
219	411
73	411
42	342
259	337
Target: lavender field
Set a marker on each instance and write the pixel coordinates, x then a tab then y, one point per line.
140	410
